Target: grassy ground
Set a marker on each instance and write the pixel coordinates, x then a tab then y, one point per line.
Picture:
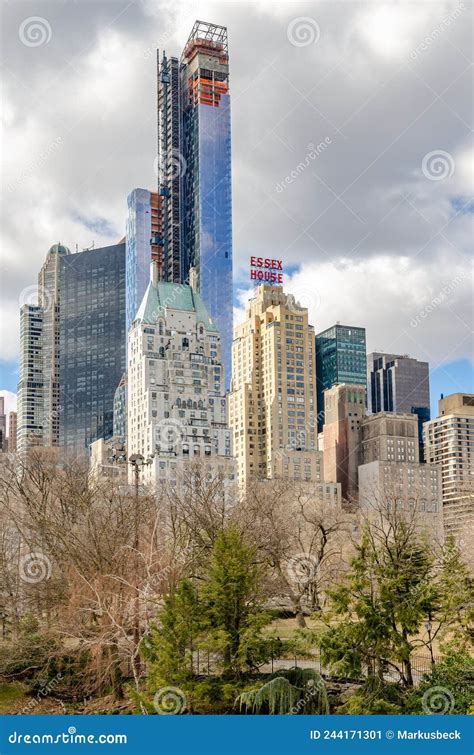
10	696
286	629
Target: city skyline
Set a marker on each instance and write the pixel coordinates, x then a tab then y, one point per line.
427	298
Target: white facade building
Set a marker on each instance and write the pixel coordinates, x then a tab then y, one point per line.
176	396
449	443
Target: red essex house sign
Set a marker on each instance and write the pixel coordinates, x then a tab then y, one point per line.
266	270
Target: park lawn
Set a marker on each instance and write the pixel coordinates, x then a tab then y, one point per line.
10	693
286	629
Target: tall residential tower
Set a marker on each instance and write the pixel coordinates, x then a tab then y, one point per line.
194	165
38	386
449	443
272	403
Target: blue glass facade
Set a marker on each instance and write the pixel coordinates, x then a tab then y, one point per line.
120	409
340	358
137	244
194	158
208	213
92	344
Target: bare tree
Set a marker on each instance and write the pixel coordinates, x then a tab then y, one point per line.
300	536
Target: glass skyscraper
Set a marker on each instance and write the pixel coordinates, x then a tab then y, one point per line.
399	383
340	358
194	159
92	344
141	233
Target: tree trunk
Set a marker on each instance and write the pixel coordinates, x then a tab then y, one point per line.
407	672
115	674
300	619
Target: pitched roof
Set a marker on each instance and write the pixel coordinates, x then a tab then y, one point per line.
178	296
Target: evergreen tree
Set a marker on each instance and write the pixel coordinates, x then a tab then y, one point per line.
383	602
230	599
169	647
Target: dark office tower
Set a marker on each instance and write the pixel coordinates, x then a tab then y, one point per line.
340	358
194	158
397	383
92	344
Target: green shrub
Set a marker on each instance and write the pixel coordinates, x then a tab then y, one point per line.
448	688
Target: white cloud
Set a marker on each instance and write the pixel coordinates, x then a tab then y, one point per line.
389	29
370	233
406	305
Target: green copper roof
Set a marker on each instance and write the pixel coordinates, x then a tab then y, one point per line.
172	296
59	249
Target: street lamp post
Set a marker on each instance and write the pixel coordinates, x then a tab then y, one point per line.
428	627
137	461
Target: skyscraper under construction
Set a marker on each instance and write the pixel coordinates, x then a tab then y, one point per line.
194	172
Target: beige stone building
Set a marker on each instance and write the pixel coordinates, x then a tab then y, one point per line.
411	489
449	443
12	425
344	407
108	459
272	401
389	436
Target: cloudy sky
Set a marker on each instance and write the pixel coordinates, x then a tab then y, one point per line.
352	154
